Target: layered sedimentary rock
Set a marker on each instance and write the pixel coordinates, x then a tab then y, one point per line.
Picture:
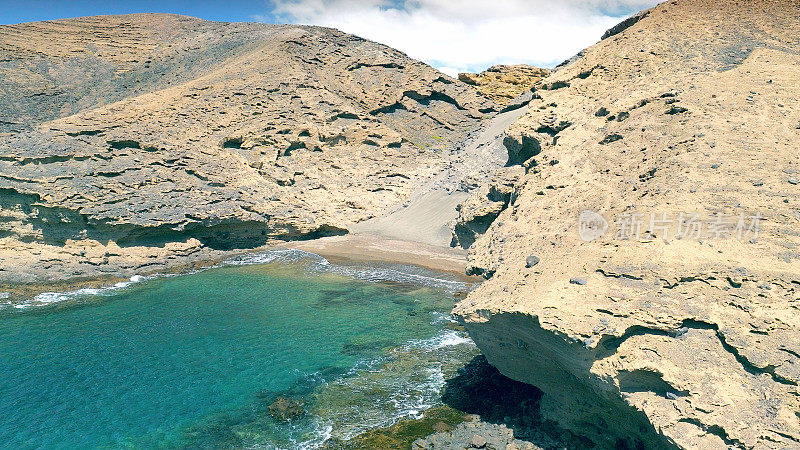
504	83
645	272
127	140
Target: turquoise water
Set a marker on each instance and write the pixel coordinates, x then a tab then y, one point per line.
194	360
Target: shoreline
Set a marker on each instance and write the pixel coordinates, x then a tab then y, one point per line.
351	248
374	248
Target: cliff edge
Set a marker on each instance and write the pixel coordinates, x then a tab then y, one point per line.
644	271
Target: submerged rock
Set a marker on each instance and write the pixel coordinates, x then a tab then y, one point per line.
285	409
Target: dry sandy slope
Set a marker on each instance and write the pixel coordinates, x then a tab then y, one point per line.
692	341
433	208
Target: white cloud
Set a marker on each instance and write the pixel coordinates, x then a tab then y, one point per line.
469	35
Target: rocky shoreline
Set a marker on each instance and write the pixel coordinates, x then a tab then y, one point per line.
634	213
348	249
483	409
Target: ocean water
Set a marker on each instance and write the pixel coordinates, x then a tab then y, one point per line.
194	360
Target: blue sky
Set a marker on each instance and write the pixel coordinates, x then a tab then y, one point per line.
16	11
451	35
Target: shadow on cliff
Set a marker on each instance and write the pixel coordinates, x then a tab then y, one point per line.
479	388
560	368
55	225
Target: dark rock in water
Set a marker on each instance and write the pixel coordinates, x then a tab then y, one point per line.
439	421
455	326
285	409
531	261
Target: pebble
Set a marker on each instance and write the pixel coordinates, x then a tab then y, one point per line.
578	281
758	183
531	261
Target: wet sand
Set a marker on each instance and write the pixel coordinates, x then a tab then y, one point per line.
373	248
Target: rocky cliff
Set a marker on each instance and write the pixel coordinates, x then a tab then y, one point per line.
130	142
643	271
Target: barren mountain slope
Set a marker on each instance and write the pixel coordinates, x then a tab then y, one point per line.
170	136
635	317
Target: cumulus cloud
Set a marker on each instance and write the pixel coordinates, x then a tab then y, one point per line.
469	35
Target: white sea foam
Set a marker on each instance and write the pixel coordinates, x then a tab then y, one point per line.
440	317
4	300
137	279
369	273
322	432
409	398
449	338
286	256
399	274
316	264
414	402
47	298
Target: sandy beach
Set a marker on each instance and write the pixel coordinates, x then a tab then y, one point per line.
373	248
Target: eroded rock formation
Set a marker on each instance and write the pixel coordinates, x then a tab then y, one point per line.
161	134
631	325
504	83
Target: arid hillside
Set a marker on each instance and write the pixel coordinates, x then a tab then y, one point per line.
645	273
131	141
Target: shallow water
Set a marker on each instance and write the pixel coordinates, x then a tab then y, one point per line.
194	360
